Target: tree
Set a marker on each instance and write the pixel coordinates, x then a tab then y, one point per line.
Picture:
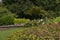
47	4
20	6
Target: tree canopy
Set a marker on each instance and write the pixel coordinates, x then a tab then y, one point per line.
19	7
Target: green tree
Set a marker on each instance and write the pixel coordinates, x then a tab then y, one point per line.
20	6
47	4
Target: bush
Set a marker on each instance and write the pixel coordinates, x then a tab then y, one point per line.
37	12
6	17
34	23
29	24
43	32
57	20
20	21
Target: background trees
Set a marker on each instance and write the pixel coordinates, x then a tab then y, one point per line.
52	7
18	6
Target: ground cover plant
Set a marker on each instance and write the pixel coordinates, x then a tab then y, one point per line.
44	32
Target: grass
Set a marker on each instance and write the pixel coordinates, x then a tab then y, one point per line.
4	34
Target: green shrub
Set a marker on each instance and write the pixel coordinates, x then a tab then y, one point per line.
34	23
26	22
29	24
57	20
6	17
21	21
48	21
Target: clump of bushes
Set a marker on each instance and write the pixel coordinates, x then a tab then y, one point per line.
43	32
27	22
34	23
6	17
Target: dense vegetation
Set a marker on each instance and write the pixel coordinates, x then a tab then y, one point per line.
6	17
41	18
34	8
44	32
29	9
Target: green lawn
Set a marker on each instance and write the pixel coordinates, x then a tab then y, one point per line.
4	34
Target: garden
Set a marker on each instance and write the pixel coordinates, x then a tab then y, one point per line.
31	20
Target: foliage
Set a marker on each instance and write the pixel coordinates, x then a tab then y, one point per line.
48	4
50	7
37	12
37	33
6	17
6	20
20	21
34	23
57	20
18	6
27	22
